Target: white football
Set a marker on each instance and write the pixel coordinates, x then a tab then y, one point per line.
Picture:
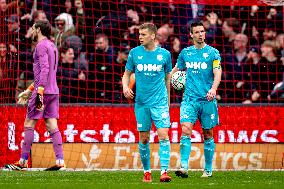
178	80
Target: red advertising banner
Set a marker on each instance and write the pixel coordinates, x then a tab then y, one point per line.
116	124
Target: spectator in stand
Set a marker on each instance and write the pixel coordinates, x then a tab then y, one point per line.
37	15
8	70
280	47
269	72
163	35
255	25
212	27
252	64
5	11
75	43
275	18
64	25
101	70
80	19
269	32
116	23
235	71
121	59
64	28
183	15
16	34
103	47
167	40
69	74
119	67
68	8
229	29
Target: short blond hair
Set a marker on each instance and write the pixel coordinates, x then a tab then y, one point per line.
150	26
270	43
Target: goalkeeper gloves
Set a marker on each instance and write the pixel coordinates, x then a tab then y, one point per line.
39	99
23	96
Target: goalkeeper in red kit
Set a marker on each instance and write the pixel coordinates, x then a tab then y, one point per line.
42	97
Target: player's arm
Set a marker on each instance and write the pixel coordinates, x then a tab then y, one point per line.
168	70
174	70
128	93
44	65
168	85
129	69
180	65
217	72
23	96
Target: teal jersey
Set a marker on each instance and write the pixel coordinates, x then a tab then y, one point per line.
150	69
199	69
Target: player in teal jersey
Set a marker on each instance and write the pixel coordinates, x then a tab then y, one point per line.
152	66
202	65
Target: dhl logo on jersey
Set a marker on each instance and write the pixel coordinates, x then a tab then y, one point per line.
149	67
196	65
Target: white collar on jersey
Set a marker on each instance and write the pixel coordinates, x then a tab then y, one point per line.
200	48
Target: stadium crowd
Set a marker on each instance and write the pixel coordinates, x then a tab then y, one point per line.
94	39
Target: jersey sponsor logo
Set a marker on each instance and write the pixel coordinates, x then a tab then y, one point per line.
139	57
159	57
149	67
196	65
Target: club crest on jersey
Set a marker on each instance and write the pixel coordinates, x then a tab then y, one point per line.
205	55
159	57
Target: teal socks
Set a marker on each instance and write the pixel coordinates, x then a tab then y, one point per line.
185	148
164	152
209	149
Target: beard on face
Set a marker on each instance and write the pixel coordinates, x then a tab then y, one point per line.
34	37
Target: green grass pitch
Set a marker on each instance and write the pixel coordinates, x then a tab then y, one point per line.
133	179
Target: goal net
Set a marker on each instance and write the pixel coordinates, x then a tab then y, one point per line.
96	121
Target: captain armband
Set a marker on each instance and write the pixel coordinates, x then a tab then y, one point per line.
216	64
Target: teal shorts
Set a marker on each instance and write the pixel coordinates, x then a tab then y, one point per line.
205	111
145	116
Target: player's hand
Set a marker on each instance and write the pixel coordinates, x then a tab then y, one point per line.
211	94
23	97
39	99
128	93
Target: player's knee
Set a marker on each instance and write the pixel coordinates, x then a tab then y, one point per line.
30	123
207	134
163	136
144	140
186	129
144	137
163	133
